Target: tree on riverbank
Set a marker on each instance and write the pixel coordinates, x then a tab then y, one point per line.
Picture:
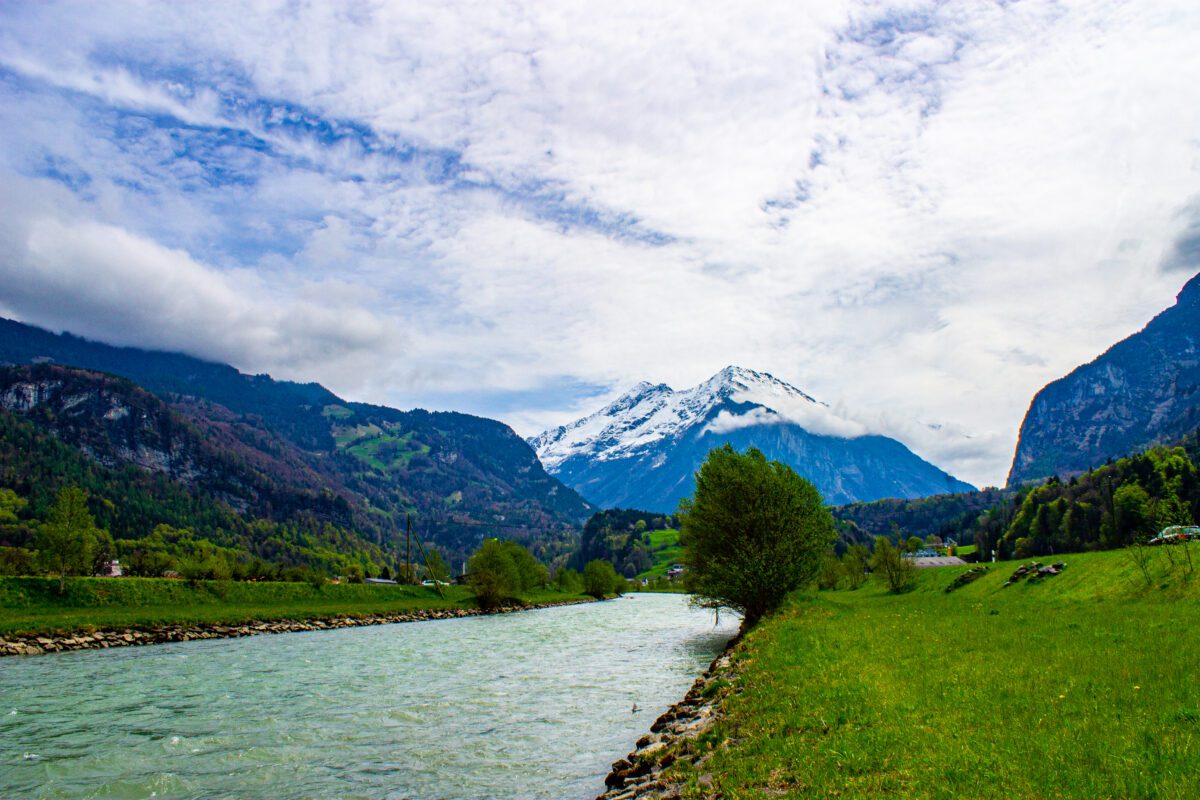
499	570
67	540
601	579
754	531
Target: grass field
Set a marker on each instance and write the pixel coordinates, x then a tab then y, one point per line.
664	546
33	605
1082	686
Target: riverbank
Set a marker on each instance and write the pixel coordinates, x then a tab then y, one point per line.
95	613
128	637
1067	685
672	737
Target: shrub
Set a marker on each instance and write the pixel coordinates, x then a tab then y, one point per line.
831	572
855	562
898	572
601	579
568	581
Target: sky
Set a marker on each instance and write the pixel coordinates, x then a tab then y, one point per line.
919	213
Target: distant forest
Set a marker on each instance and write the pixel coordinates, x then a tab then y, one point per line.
1124	501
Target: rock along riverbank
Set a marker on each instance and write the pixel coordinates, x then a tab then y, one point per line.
131	637
639	776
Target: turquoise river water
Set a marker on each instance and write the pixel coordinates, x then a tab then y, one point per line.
530	705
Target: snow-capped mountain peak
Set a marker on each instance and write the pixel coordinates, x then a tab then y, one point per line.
651	413
642	449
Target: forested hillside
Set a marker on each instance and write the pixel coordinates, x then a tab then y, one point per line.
147	512
622	536
945	516
276	450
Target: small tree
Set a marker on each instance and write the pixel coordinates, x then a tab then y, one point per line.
568	581
148	563
831	573
104	550
68	538
754	531
533	575
898	572
11	505
492	574
601	579
435	566
855	561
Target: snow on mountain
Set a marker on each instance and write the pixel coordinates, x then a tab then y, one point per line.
651	413
642	449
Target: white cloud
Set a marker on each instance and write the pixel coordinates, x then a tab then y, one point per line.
921	212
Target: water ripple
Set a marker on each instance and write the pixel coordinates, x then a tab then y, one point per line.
533	705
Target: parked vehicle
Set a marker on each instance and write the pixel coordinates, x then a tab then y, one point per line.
1176	534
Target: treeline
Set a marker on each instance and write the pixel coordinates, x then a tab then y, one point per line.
621	536
946	516
1116	505
500	570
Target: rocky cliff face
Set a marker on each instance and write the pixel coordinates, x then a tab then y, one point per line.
1143	391
642	450
110	419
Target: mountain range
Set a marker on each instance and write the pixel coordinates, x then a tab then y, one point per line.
642	450
1144	390
277	449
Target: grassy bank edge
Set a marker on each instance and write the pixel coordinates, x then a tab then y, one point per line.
787	725
33	607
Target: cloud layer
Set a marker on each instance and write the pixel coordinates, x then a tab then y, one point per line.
918	212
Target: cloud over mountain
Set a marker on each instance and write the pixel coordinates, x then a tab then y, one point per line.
515	209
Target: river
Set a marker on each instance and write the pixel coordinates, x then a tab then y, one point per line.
529	705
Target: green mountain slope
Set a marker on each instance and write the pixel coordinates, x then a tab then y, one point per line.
461	477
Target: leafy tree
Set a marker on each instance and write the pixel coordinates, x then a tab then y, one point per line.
493	574
568	581
600	579
831	572
533	575
898	572
16	561
148	563
67	539
103	552
754	531
855	562
435	567
11	505
913	544
1131	512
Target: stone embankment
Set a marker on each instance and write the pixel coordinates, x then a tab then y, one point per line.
128	637
639	776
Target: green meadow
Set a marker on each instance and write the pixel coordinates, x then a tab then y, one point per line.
1082	685
34	606
665	548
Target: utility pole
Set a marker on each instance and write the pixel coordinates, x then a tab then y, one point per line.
408	548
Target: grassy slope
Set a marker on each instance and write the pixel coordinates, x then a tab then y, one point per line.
1081	686
33	605
664	546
